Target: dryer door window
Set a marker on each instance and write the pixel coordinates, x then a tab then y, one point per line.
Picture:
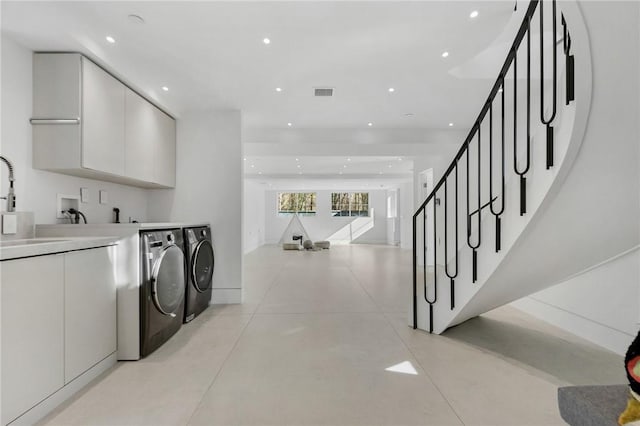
202	266
168	280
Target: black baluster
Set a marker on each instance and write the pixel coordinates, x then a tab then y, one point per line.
474	247
415	278
496	213
424	236
522	173
548	121
424	252
451	276
569	63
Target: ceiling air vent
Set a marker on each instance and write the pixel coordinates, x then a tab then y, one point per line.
323	91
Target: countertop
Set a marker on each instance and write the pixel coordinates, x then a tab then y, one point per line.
15	249
120	226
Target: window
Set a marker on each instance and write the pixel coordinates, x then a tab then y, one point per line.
303	203
350	204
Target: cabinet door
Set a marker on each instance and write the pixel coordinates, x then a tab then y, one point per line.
166	156
102	120
141	137
32	332
56	95
90	309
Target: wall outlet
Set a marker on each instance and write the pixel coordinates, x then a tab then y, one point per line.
9	224
84	195
104	197
66	202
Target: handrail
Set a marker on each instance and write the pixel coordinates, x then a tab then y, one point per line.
510	64
485	108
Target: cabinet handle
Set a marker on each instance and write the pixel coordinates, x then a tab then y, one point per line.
55	121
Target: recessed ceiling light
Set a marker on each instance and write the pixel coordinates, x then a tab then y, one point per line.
298	165
266	40
344	167
297	159
473	14
110	39
348	159
450	124
259	173
253	165
369	124
390	166
409	114
165	88
380	173
445	54
340	172
244	159
278	89
289	124
399	158
391	90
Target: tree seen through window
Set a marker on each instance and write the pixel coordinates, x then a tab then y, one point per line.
350	204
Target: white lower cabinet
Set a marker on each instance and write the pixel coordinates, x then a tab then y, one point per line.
58	321
32	332
89	310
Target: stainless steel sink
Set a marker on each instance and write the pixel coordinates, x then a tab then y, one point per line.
30	241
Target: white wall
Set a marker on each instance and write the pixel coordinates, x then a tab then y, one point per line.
35	189
209	189
253	216
406	215
602	304
323	225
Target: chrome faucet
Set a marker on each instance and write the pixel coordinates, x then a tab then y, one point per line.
11	196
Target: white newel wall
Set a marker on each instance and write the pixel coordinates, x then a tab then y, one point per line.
406	195
37	190
322	226
253	215
209	189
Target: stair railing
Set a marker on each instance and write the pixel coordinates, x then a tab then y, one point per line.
496	201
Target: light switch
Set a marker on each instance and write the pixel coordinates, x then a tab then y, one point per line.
104	197
84	195
9	224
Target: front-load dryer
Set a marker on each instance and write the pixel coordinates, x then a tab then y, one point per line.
200	261
162	287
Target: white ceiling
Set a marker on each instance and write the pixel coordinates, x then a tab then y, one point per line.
340	166
211	55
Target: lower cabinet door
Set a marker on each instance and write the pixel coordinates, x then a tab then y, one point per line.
32	332
90	309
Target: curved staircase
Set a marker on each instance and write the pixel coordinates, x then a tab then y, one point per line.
488	233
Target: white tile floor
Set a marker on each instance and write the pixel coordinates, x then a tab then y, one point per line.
312	343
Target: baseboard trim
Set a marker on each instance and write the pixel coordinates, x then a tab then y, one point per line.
599	334
226	296
49	404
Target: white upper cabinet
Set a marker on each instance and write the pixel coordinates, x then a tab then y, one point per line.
165	165
141	136
102	120
87	123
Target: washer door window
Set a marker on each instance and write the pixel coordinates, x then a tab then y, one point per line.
168	280
202	264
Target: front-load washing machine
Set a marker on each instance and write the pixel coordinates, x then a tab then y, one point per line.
162	287
200	261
